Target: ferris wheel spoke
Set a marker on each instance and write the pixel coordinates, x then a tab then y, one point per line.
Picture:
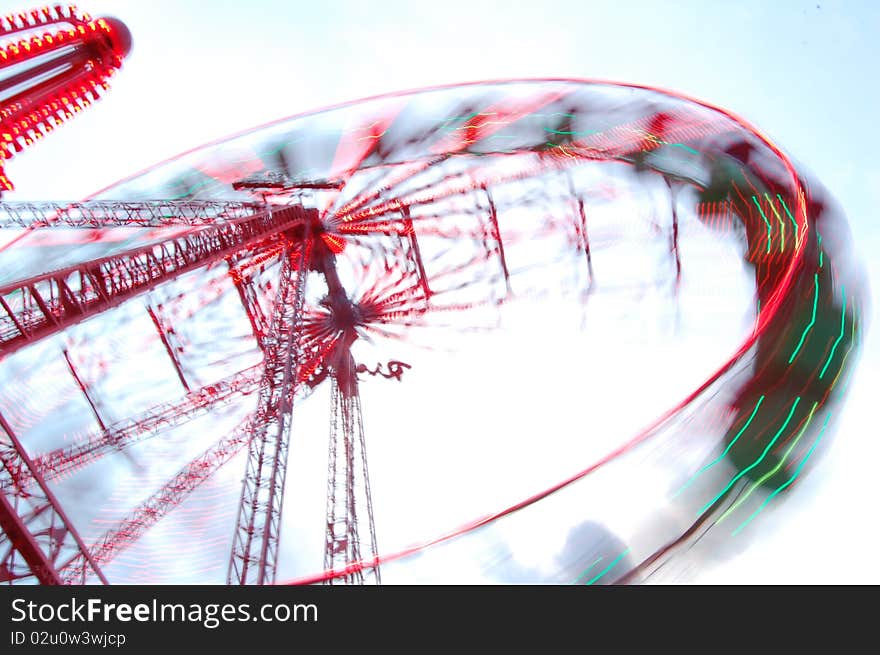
354	147
478	125
244	283
424	194
137	522
395	176
457	184
118	436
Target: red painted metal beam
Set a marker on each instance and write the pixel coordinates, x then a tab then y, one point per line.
34	524
49	303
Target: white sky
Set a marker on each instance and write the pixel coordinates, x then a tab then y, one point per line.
803	72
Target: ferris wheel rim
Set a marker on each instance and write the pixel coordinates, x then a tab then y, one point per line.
448	86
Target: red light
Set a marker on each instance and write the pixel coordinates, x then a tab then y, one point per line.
120	36
334	243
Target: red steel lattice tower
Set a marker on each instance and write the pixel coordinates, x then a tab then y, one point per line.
38	538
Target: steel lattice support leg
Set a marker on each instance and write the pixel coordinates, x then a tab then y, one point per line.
255	544
37	537
349	502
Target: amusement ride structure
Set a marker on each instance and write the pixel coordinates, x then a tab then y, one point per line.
328	243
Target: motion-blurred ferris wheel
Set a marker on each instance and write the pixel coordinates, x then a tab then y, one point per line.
442	247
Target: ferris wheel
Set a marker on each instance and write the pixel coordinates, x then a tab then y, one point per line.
425	273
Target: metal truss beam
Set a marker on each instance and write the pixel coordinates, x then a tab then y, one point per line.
124	213
40	306
255	543
37	534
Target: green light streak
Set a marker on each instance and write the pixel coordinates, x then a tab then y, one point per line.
769	227
610	566
589	132
775	469
812	320
848	351
757	461
793	222
445	125
852	346
726	450
549	129
462	118
192	189
840	338
789	481
781	224
681	145
672	145
589	568
555	113
281	146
